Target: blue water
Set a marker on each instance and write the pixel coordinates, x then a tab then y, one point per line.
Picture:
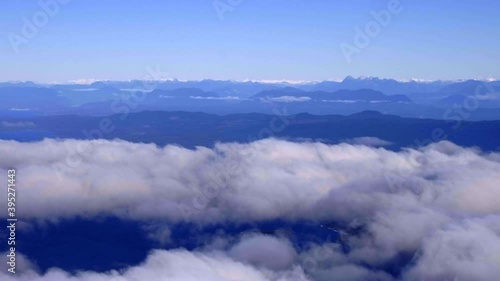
26	135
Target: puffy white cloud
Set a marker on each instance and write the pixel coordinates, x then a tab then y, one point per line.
264	250
350	272
327	262
465	251
21	262
179	265
439	203
369	141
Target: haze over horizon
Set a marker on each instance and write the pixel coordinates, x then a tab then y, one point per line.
84	81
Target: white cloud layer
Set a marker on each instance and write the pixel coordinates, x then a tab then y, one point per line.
178	265
369	141
264	250
286	99
440	203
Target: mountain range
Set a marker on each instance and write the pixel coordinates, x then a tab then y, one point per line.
479	99
191	129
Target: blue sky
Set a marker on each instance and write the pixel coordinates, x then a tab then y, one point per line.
257	39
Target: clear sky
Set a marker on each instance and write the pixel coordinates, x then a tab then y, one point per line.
257	39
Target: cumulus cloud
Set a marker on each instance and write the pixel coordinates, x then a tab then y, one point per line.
463	251
438	206
369	141
23	264
328	262
264	250
179	265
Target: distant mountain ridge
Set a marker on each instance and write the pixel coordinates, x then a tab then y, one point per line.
249	88
387	86
404	98
193	129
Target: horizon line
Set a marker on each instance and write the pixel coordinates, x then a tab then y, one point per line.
90	81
